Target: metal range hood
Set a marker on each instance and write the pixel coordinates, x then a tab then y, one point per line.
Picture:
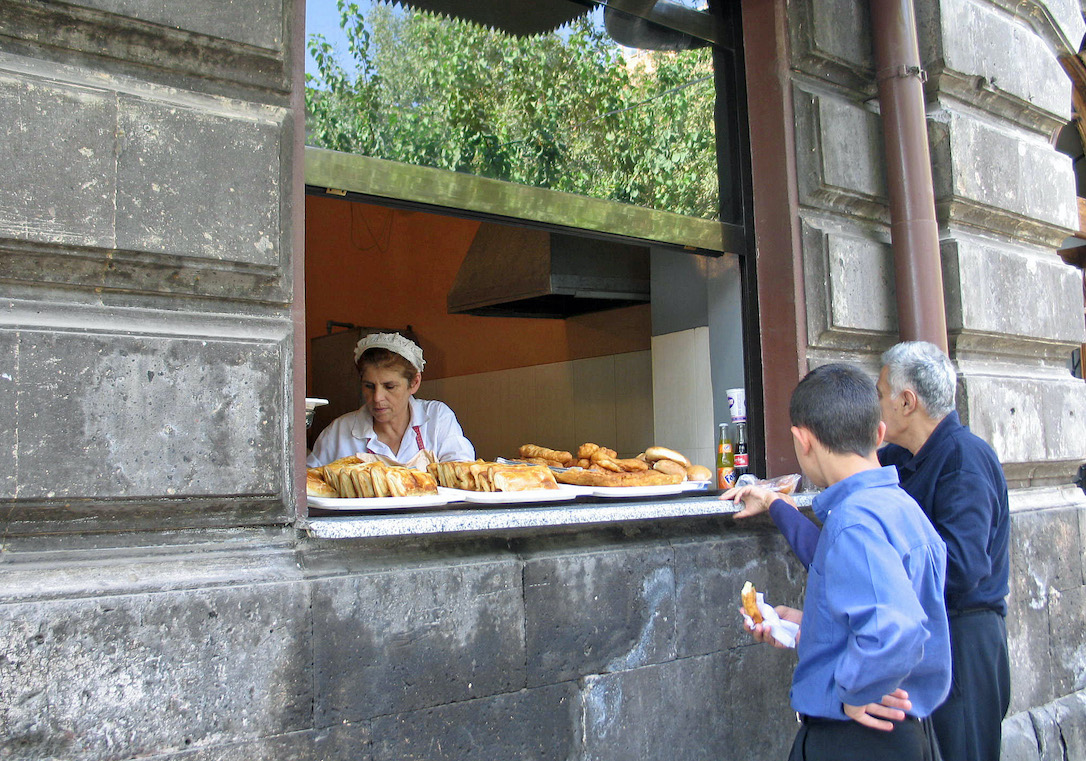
523	272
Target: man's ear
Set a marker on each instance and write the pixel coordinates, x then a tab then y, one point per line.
910	402
803	438
881	435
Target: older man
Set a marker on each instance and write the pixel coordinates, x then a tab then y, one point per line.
959	483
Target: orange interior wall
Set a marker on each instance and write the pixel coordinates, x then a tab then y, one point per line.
379	267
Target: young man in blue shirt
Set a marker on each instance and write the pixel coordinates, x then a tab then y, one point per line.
958	481
873	637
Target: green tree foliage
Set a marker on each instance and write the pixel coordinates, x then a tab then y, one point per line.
567	112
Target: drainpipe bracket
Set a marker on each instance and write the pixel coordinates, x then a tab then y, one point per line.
902	72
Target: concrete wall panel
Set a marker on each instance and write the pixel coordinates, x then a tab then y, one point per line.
245	21
1027	419
849	283
195	183
709	576
839	156
61	189
647	713
415	638
567	596
1000	180
1014	292
117	414
541	724
118	677
975	38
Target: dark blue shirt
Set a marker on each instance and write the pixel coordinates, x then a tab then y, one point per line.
958	481
873	615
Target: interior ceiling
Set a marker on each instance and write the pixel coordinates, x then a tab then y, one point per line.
517	18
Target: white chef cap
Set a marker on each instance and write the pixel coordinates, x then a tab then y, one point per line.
394	342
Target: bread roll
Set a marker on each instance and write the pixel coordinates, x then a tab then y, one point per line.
653	454
698	473
671	467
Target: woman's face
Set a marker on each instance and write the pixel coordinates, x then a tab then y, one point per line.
387	393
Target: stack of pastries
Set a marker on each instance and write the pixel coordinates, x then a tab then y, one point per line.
594	465
351	478
491	476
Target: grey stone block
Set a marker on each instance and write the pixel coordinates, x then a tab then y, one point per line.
62	187
414	638
9	374
535	725
709	576
120	415
1067	614
1045	558
693	708
1019	739
998	291
126	676
198	183
978	70
1026	419
849	281
831	40
599	611
1029	192
346	741
247	21
839	156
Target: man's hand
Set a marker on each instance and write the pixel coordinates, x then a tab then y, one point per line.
883	714
761	632
756	500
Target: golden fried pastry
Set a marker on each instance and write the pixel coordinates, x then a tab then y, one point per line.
528	451
481	475
611	478
316	486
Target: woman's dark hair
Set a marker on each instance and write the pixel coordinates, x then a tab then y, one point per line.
381	357
838	403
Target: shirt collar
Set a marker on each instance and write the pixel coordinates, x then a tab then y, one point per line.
824	502
942	431
363	427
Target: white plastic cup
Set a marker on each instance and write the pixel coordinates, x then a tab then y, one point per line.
737	404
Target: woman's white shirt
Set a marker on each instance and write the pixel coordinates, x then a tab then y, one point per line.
432	421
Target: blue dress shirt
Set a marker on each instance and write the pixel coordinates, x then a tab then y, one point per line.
874	618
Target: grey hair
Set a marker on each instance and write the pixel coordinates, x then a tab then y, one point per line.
924	368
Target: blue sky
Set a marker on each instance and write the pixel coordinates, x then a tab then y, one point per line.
322	16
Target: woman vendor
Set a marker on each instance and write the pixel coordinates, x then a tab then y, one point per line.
391	421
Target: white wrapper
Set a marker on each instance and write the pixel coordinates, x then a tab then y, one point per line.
782	631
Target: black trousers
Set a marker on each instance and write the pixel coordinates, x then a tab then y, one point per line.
828	740
968	724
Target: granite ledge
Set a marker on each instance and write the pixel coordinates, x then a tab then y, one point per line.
483	519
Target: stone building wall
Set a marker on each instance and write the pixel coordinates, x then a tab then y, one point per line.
1005	200
157	599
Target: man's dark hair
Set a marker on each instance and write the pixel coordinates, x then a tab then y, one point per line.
838	403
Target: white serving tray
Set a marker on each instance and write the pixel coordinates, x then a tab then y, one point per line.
443	497
563	493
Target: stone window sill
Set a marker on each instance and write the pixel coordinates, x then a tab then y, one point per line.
476	519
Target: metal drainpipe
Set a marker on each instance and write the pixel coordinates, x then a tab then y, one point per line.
914	230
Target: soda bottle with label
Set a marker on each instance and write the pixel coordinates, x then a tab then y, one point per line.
741	457
725	460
